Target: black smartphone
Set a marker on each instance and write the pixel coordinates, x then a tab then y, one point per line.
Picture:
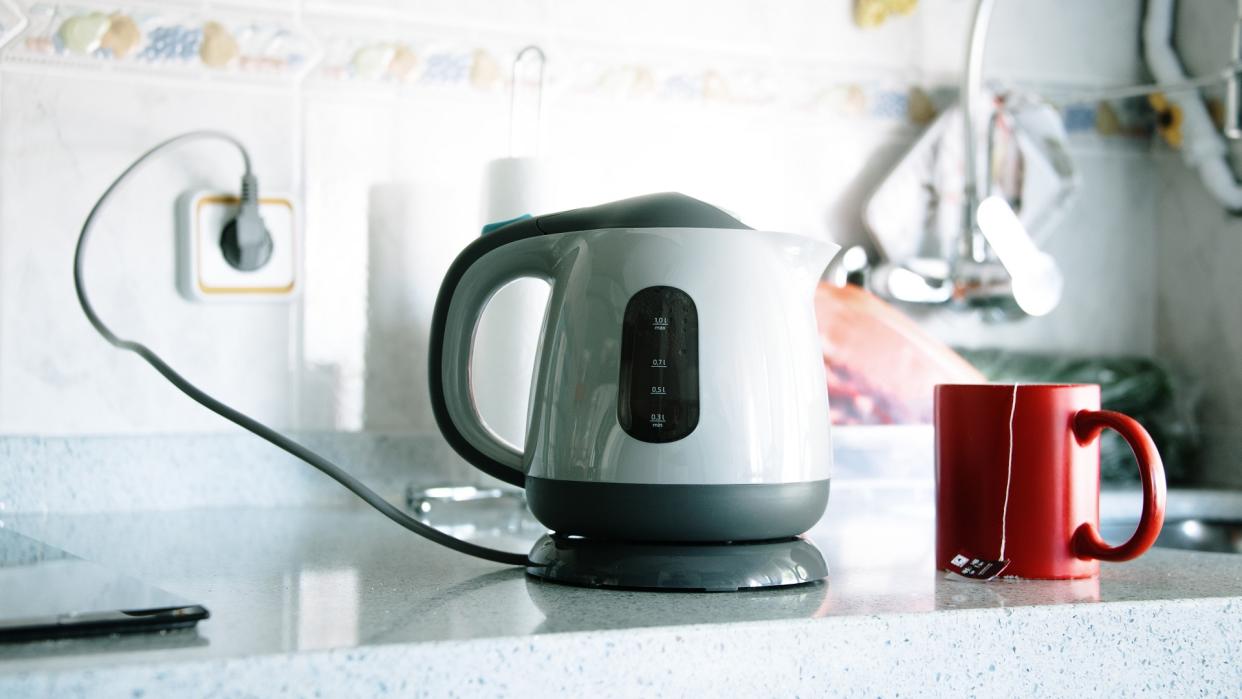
49	593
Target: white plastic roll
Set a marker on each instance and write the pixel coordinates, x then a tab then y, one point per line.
508	335
514	187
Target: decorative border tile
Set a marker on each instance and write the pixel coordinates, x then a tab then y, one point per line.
413	60
331	53
12	21
164	39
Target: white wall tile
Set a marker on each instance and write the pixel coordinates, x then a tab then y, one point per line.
1058	41
1199	328
64	135
64	138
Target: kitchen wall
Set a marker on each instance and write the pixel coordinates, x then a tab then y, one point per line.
786	113
1199	328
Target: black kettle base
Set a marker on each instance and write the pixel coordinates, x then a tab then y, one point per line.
690	567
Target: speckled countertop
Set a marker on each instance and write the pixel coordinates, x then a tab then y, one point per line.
336	600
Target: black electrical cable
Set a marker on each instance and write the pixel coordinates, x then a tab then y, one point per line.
202	398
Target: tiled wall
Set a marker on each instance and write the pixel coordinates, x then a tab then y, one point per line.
783	112
1199	326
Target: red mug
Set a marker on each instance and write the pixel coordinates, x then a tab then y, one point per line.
1018	479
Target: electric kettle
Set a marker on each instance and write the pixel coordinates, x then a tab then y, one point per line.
679	392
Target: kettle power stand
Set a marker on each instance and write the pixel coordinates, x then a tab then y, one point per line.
701	567
606	563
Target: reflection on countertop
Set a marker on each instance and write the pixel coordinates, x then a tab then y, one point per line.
281	580
321	597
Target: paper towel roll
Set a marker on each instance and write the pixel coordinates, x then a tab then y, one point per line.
514	187
508	334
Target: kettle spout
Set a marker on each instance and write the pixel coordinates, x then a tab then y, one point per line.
811	257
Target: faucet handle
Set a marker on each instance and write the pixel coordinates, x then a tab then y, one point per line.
1036	278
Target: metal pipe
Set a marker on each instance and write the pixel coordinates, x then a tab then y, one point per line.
1203	148
1233	90
529	56
974	247
1060	95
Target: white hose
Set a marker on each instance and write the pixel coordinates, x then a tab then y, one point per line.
1203	148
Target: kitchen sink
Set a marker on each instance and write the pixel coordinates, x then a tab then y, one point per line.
1195	519
1215	535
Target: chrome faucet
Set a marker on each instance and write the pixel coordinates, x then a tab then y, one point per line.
993	265
973	247
1022	281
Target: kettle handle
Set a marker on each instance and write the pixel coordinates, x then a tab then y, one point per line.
478	272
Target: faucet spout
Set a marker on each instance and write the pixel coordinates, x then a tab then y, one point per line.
972	90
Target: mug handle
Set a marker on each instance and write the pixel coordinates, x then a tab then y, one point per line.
1087	543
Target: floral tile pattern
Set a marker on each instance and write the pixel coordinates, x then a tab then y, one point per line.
189	39
11	21
176	39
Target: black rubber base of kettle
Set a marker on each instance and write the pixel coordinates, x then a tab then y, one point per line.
677	512
702	567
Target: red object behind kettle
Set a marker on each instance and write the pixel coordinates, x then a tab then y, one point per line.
881	365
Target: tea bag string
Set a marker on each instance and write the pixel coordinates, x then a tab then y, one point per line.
1013	411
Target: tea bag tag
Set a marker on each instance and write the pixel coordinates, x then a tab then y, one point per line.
975	568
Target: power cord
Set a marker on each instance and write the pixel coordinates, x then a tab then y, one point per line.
249	193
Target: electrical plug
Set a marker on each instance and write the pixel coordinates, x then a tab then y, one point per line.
245	241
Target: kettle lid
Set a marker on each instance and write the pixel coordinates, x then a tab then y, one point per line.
663	210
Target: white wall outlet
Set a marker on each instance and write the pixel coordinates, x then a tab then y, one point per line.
203	273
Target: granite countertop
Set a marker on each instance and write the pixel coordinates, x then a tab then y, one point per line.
338	600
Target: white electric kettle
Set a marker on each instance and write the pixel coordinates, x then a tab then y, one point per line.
679	393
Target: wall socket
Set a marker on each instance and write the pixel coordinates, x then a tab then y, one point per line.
203	273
